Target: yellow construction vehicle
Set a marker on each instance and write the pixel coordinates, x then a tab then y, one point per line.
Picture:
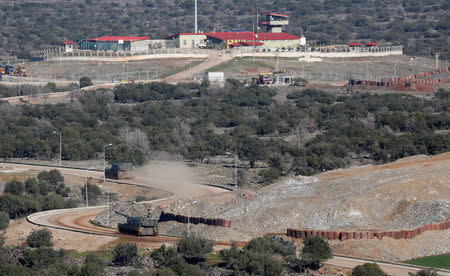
20	71
2	71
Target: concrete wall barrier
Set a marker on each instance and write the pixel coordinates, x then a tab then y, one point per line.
357	235
194	220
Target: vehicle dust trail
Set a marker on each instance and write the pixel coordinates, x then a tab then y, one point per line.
174	177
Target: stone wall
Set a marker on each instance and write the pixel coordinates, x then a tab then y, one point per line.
357	235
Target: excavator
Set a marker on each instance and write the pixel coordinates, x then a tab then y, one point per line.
20	71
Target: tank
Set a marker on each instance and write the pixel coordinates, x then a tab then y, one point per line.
120	171
139	226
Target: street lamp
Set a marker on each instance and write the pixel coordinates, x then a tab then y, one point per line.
60	143
104	176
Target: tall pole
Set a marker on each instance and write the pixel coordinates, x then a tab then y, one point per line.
253	33
104	178
87	200
196	26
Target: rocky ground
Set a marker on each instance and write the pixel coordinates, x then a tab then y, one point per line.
408	193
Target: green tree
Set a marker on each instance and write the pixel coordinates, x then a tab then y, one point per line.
32	186
368	269
124	253
85	81
14	187
315	251
40	238
193	249
4	220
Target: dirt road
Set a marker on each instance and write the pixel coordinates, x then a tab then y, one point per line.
214	58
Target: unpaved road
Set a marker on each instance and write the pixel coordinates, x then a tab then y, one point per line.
214	58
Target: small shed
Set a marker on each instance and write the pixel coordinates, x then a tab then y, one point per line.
68	46
217	78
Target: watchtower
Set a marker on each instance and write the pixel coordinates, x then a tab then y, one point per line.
274	22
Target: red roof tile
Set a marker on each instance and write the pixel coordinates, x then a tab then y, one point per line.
353	44
117	38
249	36
69	42
369	44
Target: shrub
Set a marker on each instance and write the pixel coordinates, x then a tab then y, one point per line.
85	81
4	220
124	253
41	257
368	269
193	249
424	272
40	238
316	250
14	187
32	186
164	272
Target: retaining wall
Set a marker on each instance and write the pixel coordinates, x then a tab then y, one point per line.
357	235
194	220
413	81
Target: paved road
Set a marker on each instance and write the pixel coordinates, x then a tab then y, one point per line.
78	220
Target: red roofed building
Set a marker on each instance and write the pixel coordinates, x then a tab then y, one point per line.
117	43
68	46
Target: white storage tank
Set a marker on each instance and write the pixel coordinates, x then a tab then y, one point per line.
215	77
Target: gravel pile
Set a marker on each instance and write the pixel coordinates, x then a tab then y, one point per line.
405	194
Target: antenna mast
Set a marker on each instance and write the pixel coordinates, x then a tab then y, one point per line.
196	26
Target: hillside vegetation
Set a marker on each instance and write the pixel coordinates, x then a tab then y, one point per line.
309	132
28	25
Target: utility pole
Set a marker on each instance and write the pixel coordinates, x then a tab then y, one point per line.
104	178
87	200
196	25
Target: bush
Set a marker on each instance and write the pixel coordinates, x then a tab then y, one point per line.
85	81
124	253
368	269
315	251
41	257
40	238
193	249
15	187
4	220
424	272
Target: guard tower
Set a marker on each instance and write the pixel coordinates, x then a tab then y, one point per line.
274	22
68	46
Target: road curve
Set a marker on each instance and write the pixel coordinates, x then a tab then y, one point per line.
78	220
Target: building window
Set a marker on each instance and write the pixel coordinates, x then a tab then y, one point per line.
184	42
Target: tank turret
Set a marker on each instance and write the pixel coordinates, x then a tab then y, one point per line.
140	226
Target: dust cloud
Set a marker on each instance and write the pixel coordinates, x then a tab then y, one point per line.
175	177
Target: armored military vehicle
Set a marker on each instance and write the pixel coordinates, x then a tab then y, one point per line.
139	226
